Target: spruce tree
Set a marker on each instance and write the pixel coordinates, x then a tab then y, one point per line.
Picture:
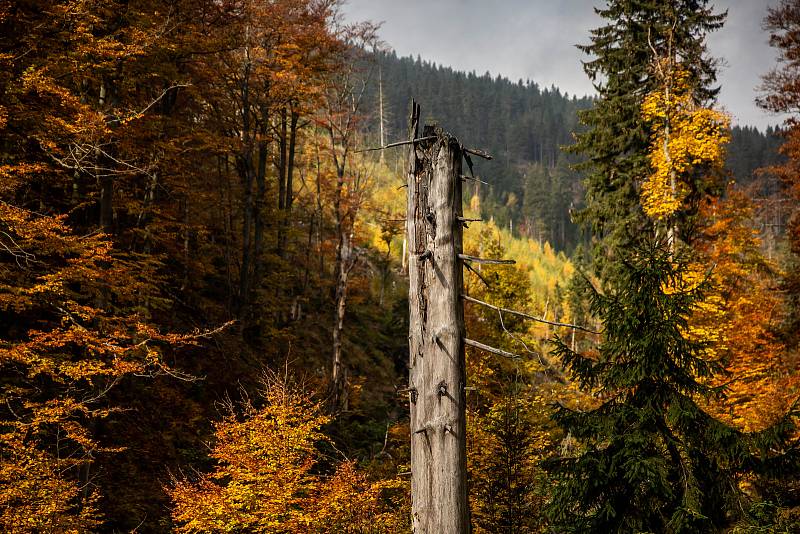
615	140
650	459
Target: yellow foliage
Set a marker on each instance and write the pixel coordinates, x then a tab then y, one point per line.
264	479
62	354
37	496
349	503
684	136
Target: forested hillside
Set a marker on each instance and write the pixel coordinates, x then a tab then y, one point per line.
749	150
524	126
205	295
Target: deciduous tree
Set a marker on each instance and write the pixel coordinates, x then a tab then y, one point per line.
782	94
265	479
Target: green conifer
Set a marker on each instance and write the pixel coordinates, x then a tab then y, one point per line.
650	459
616	139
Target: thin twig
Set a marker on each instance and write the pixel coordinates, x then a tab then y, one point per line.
526	316
465	177
476	273
544	361
398	143
476	152
475	259
487	348
151	104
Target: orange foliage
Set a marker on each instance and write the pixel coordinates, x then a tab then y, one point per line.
79	316
685	136
741	314
264	479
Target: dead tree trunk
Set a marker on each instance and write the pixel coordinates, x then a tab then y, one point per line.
437	377
344	264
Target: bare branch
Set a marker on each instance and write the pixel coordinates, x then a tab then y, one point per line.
487	348
544	361
399	143
151	104
476	273
475	259
476	152
465	177
526	316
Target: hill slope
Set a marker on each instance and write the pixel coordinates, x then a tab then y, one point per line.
522	125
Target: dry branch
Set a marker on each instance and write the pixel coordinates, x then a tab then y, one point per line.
475	259
476	273
399	143
527	316
476	152
487	348
465	177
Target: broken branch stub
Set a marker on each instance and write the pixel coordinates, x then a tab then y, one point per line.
436	333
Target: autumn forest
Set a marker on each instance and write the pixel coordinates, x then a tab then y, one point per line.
207	245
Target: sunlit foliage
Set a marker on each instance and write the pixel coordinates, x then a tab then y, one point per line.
265	478
684	137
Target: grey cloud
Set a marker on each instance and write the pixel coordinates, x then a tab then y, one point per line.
535	39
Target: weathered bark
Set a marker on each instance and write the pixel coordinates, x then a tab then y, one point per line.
344	264
381	119
437	377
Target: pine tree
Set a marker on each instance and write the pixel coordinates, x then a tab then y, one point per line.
616	139
651	460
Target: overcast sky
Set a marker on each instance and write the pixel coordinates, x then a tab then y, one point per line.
535	39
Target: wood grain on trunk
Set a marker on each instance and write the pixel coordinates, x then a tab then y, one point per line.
436	332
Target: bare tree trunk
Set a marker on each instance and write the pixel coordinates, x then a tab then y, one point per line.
186	238
245	167
437	376
247	223
381	119
342	120
344	263
295	116
107	204
106	182
287	146
259	209
282	160
319	215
